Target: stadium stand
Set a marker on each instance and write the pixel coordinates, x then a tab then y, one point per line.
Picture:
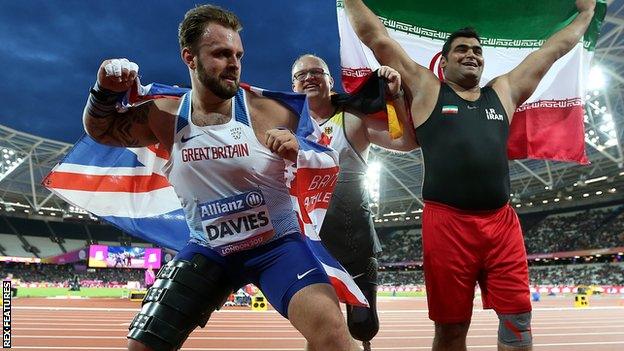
590	229
578	274
558	275
34	237
45	245
559	232
13	246
61	274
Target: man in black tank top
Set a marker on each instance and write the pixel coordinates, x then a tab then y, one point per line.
348	232
470	233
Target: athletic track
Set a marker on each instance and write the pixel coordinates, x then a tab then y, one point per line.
101	324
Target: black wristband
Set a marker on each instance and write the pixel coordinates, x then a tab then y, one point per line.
102	102
106	96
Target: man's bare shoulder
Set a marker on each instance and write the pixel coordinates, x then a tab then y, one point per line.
167	105
269	110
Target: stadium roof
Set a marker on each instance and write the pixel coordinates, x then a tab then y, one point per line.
535	184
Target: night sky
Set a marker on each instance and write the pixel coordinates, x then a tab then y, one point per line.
50	50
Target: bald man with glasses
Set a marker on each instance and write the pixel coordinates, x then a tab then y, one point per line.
347	230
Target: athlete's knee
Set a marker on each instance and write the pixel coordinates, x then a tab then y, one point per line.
183	297
514	330
363	322
329	331
314	310
451	332
336	338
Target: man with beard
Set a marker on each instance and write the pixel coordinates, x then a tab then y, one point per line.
348	231
470	232
227	151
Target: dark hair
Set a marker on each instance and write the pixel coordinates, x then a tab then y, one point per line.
467	32
196	20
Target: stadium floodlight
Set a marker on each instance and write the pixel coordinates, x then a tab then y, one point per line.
76	209
393	214
372	181
9	161
597	79
597	179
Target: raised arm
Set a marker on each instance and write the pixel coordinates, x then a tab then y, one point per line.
143	125
519	84
388	52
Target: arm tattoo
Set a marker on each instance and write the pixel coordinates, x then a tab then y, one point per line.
122	129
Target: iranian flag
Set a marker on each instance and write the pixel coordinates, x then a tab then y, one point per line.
549	125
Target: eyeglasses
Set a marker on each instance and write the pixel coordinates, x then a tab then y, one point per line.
314	72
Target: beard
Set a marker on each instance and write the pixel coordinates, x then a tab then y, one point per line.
215	85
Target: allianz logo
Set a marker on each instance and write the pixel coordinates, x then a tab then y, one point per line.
231	205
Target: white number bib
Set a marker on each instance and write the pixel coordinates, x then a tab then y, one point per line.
236	223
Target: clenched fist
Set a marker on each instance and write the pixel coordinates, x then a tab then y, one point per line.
392	77
282	142
117	74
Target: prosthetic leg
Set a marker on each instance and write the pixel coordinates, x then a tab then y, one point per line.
182	298
363	322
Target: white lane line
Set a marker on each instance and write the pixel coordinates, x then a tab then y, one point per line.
547	309
406	348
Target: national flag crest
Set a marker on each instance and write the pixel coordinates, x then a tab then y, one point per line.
449	110
236	132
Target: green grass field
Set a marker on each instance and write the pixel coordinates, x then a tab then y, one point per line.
402	294
84	292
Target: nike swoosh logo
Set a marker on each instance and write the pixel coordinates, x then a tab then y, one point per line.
184	140
300	276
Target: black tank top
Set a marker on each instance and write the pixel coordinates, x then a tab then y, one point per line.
464	146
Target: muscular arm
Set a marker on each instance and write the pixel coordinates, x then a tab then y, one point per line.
519	84
421	85
127	129
377	130
139	126
388	52
143	125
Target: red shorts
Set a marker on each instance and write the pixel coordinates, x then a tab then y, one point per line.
462	248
